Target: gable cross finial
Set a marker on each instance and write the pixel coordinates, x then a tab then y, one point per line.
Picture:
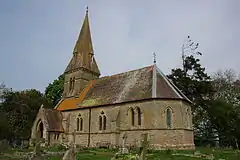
154	58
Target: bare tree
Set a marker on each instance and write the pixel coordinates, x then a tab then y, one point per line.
2	87
2	90
189	47
227	86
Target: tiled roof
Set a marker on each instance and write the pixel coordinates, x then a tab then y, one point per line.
128	86
71	103
144	83
52	119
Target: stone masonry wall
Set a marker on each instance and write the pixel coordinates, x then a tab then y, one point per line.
81	79
153	121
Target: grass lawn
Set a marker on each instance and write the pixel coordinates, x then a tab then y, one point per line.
95	155
99	154
226	154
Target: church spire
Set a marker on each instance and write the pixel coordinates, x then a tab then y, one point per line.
83	54
82	68
84	41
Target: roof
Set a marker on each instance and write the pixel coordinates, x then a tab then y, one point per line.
52	119
144	83
83	54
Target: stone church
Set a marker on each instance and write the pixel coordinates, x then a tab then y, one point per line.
100	111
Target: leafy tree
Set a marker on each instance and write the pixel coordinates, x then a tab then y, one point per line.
216	101
3	119
55	89
195	83
20	109
3	126
225	107
227	86
2	89
224	117
192	79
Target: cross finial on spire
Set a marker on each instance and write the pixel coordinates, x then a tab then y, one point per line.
154	58
87	10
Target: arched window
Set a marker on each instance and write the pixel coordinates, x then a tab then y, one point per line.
81	124
104	122
73	83
77	124
70	84
132	116
90	59
169	118
100	122
139	116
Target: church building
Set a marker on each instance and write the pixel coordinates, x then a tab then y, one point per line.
100	111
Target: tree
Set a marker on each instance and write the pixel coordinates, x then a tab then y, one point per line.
20	109
55	89
216	100
189	48
225	107
192	79
224	119
2	89
195	83
227	86
3	119
3	126
2	86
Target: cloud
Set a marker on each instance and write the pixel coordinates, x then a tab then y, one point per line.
37	37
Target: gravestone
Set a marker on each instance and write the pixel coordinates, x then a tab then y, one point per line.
144	147
74	138
37	152
70	153
123	149
37	148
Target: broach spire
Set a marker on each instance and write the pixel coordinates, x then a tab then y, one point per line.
83	51
84	42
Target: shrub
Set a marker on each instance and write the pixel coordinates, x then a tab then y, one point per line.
56	148
4	145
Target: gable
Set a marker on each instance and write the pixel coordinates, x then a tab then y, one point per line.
51	119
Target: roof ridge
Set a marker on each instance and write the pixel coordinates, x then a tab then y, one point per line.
126	72
154	81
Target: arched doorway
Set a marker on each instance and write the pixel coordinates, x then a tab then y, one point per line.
39	130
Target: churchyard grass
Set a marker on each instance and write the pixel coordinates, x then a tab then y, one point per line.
105	154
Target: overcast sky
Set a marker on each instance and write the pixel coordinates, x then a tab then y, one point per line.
37	37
